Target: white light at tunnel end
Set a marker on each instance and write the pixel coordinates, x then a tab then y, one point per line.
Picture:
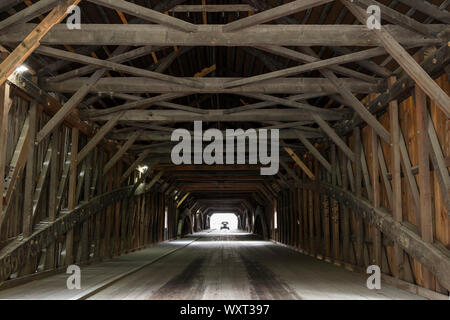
216	220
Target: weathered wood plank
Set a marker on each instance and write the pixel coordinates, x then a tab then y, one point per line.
333	136
30	172
213	85
147	14
300	163
405	60
5	105
28	13
212	35
72	192
398	268
426	213
121	152
32	40
98	136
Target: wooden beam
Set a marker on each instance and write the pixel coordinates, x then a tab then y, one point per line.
214	85
403	58
134	165
398	268
359	108
43	174
427	254
300	163
27	227
434	65
376	193
54	177
333	136
319	64
395	17
72	193
214	8
219	115
131	140
438	160
147	14
8	4
430	9
290	171
291	103
95	140
357	145
5	105
212	35
29	13
182	199
120	58
32	40
426	212
17	164
316	153
384	174
61	54
366	64
407	168
313	60
272	14
67	108
139	103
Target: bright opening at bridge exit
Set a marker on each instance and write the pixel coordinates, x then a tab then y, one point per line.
218	218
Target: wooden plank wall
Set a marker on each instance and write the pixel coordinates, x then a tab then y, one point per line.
125	226
322	227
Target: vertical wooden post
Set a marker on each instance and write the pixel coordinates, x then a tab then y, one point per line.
53	190
72	191
396	178
98	216
5	104
312	238
326	218
345	211
300	218
335	206
358	189
375	169
317	214
29	178
426	221
117	219
84	237
108	216
305	220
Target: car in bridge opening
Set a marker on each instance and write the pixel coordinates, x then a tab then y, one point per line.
225	225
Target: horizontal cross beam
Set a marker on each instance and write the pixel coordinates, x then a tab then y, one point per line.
214	85
212	35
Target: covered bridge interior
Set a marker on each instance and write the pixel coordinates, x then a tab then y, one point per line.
87	114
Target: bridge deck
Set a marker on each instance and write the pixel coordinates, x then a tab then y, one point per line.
215	266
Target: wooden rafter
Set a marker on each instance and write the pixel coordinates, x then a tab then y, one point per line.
95	140
403	58
300	163
212	35
32	40
121	152
214	85
147	14
28	13
115	66
272	14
